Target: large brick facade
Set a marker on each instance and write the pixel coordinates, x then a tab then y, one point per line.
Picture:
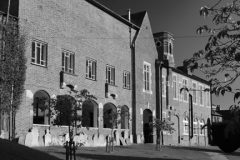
89	30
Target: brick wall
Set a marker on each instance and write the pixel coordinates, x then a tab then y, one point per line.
85	30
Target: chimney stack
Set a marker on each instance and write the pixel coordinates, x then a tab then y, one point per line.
129	15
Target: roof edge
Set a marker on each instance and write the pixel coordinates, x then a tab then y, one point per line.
110	12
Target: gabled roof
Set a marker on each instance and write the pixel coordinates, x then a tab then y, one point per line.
136	18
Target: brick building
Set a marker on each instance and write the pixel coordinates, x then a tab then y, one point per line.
80	44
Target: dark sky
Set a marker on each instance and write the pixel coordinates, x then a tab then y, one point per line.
179	17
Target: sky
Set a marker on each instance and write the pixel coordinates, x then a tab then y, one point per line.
181	18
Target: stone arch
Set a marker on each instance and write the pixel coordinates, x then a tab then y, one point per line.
147	129
41	108
124	117
107	109
90	113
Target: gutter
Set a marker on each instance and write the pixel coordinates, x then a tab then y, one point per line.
115	15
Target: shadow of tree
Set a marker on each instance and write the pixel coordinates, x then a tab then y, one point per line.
115	157
217	150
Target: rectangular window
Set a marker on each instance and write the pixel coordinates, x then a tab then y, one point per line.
91	69
200	95
185	93
68	61
110	75
194	95
174	86
185	126
39	53
146	76
180	95
163	86
195	127
126	80
207	99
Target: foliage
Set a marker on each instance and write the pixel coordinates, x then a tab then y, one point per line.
64	109
12	65
221	55
115	118
12	70
163	125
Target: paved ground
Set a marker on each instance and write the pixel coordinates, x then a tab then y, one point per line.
146	152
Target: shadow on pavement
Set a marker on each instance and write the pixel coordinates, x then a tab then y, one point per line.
115	157
217	150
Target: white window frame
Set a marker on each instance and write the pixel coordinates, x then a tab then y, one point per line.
163	86
201	92
126	79
91	69
202	131
194	91
175	87
147	81
185	93
110	75
185	125
180	94
207	97
39	58
195	126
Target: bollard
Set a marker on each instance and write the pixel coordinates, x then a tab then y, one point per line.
67	150
74	150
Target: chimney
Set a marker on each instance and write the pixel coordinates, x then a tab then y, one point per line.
129	15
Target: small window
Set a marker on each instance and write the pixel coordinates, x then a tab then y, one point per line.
163	86
195	126
201	95
175	92
110	75
126	79
147	77
91	69
68	61
194	95
185	94
207	99
185	125
202	130
39	53
180	94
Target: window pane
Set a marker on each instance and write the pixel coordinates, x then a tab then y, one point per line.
66	63
38	53
94	69
33	52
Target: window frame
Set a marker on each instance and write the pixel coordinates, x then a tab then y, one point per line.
91	63
195	126
126	80
163	86
184	91
69	65
207	97
202	131
147	82
201	92
194	91
185	125
40	58
180	95
110	79
175	92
